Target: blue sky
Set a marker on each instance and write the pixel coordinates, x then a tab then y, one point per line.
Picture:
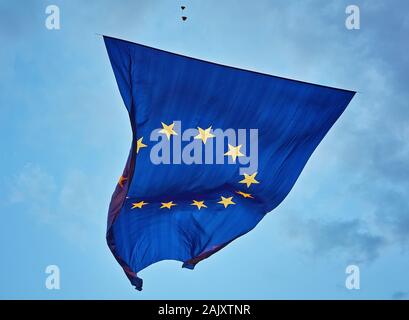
65	137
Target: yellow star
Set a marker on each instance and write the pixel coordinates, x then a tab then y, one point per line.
234	152
249	179
168	130
245	195
226	201
121	181
140	144
204	134
167	205
198	204
139	204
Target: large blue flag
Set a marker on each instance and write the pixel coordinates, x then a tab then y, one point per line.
214	149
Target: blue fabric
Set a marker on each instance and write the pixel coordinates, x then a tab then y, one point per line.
292	117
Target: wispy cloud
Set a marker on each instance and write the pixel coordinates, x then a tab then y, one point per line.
350	240
34	187
365	162
68	206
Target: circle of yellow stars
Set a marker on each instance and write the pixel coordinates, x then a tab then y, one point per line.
203	134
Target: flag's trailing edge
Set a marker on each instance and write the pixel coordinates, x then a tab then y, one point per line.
188	212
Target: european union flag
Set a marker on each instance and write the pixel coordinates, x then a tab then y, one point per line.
214	149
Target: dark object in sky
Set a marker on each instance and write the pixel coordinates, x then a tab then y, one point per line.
187	212
184	18
183	7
